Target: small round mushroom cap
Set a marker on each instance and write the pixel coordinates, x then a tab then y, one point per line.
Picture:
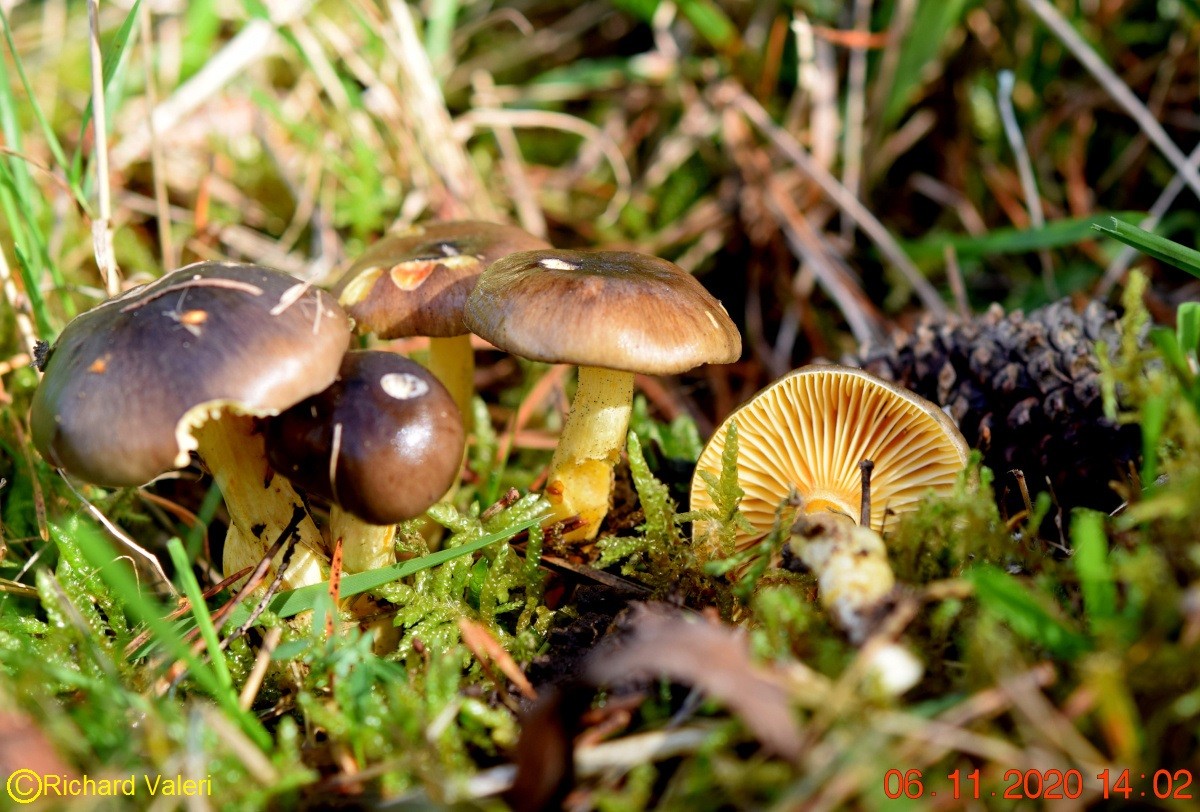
809	431
393	429
127	381
609	309
415	282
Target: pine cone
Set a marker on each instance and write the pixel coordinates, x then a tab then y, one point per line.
1026	391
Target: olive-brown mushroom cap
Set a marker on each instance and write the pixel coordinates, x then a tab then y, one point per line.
126	380
810	429
394	429
415	282
610	309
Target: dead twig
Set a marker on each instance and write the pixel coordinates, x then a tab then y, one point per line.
730	93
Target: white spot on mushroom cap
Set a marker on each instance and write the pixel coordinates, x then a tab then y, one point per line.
558	264
403	385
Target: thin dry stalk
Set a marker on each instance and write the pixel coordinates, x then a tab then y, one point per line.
102	233
1033	200
253	43
1117	90
19	304
215	721
1033	706
731	94
957	285
529	213
861	317
261	662
421	95
592	134
120	535
162	208
856	111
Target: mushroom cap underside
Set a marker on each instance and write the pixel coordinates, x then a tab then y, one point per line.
126	381
810	430
610	309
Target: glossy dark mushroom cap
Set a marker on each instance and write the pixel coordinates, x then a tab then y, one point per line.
126	380
394	429
610	309
416	282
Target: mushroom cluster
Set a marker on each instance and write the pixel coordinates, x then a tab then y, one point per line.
250	369
186	363
220	358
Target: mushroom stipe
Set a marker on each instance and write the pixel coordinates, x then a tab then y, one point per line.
629	313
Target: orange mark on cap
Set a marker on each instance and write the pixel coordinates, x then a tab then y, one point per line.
100	365
411	275
193	317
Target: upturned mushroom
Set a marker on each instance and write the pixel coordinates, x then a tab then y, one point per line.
382	444
415	283
810	430
613	314
184	364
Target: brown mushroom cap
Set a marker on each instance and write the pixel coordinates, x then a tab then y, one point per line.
810	429
416	282
396	433
127	380
611	309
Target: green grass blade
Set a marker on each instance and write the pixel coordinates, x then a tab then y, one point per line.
169	636
191	587
1187	328
9	203
1068	231
1153	245
112	59
1092	567
47	131
295	601
439	29
927	35
1025	611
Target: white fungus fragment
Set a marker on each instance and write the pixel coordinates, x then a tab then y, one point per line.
403	385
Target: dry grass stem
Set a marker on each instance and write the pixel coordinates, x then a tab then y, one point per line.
856	111
593	135
254	42
102	234
1117	90
729	93
529	212
162	208
425	106
262	662
151	561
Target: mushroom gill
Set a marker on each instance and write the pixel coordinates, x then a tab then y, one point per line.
811	429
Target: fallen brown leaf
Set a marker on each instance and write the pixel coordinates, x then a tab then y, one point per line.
714	657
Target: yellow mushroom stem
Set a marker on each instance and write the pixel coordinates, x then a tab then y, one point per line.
581	473
260	503
365	546
452	361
